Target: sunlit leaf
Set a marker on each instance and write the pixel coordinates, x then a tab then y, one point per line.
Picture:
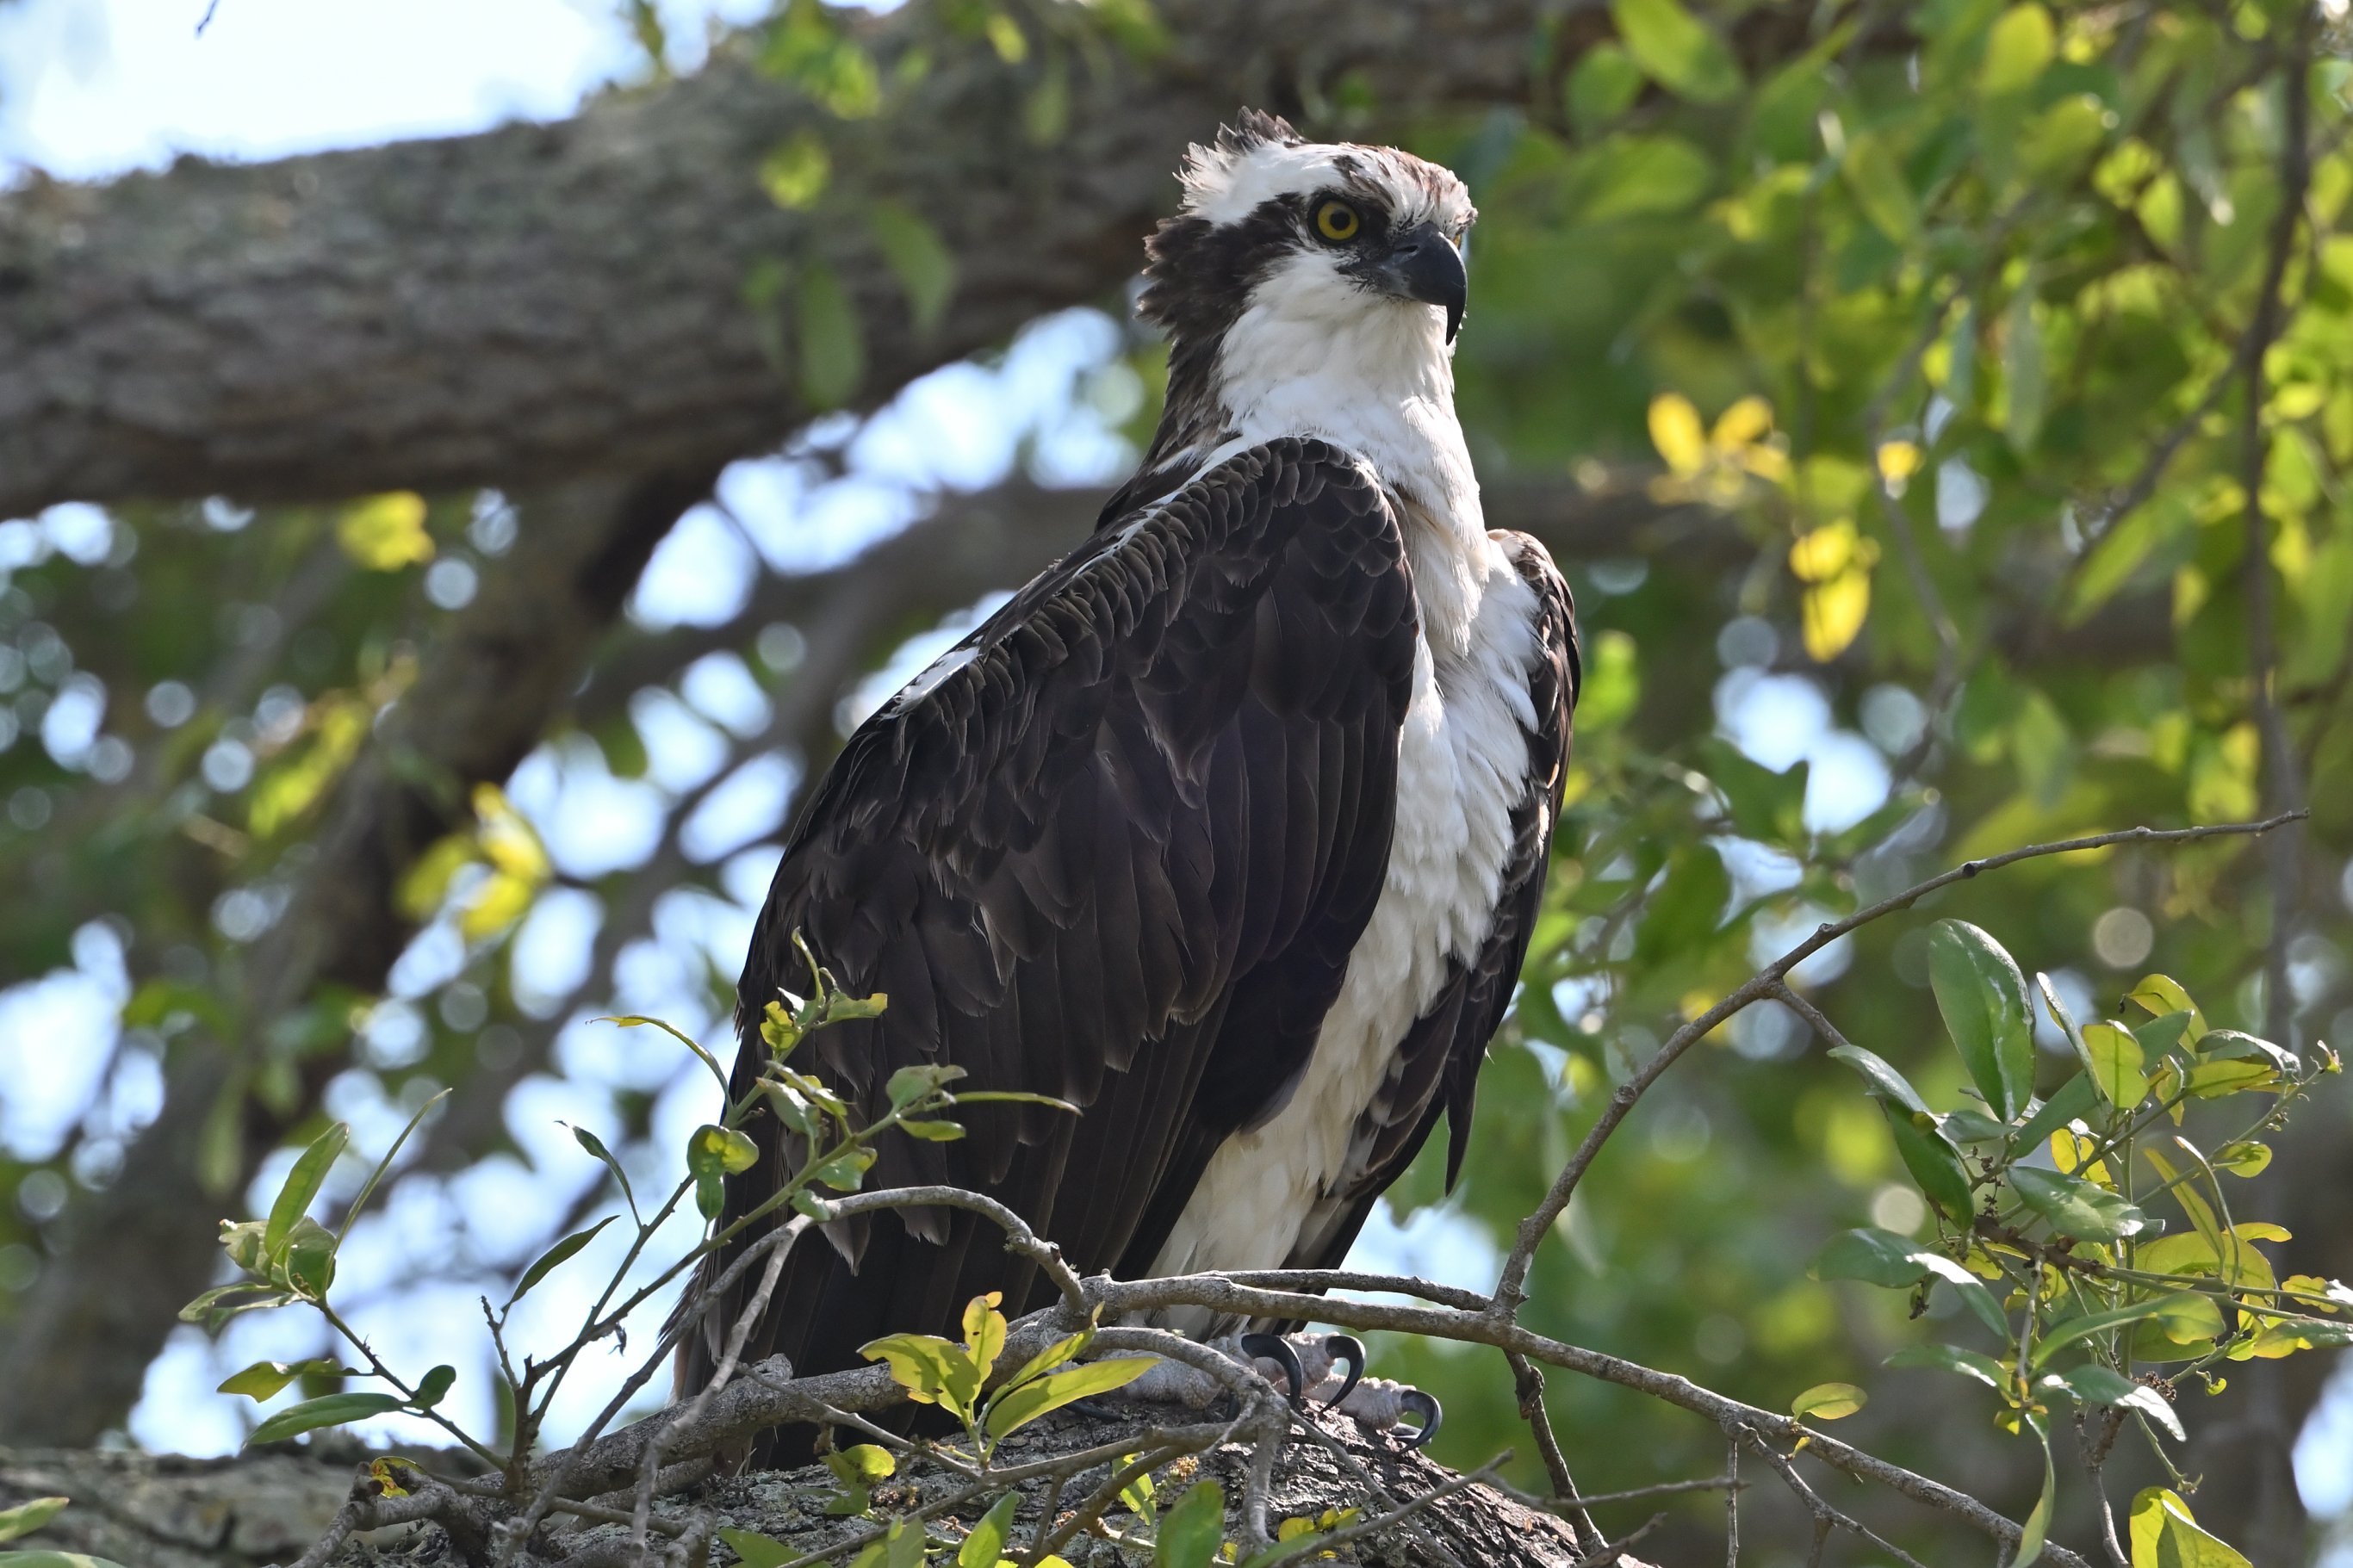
1971	1364
1828	1401
2076	1207
1678	50
2165	1534
385	533
1025	1403
1982	996
27	1516
302	1184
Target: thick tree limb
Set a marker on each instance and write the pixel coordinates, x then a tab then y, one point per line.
544	300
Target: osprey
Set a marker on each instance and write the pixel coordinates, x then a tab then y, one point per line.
1231	827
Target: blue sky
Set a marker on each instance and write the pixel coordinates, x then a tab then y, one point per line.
89	88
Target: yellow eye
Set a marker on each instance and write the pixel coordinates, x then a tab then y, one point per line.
1337	220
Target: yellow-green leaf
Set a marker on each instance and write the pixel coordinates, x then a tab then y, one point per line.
29	1517
2017	50
1025	1403
1828	1401
2165	1534
2115	1064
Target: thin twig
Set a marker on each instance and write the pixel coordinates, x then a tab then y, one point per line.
1823	1510
1611	1550
1529	1383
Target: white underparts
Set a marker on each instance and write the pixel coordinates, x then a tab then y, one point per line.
1463	764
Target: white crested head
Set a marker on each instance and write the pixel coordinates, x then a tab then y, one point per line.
1261	159
1314	288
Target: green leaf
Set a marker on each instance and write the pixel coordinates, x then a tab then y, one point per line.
332	1411
2244	1158
433	1386
932	1370
1931	1158
1632	176
2077	1097
1050	1358
561	1253
861	1464
53	1559
2037	1528
1970	1287
2076	1207
717	1151
367	1188
1601	87
833	342
1875	177
844	1172
2022	367
265	1379
1684	910
1982	996
1191	1533
2166	1535
911	1084
986	1544
934	1132
2163	995
2096	1384
2115	1064
984	1333
1884	1079
1873	1255
209	1309
29	1517
1967	1126
1012	1411
302	1184
922	262
2059	1016
308	1258
710	1196
1767	806
759	1550
2074	1329
1828	1401
1678	50
2017	50
1954	1359
595	1147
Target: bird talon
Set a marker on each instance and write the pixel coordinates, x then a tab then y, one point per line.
1278	1350
1432	1414
1344	1347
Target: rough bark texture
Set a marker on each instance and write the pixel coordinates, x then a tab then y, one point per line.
541	301
161	1510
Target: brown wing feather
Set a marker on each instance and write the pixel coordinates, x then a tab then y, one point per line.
1101	860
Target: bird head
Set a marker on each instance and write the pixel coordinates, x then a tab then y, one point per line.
1327	234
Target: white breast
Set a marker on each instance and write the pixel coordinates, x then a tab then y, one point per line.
1462	765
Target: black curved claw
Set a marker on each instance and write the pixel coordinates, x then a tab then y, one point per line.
1415	1399
1277	1349
1345	1347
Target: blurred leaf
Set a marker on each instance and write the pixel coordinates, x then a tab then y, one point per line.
1682	915
1602	86
758	1551
265	1380
796	174
833	343
2020	46
1612	687
1877	178
385	533
1678	50
920	260
27	1516
1632	176
332	1411
2037	1526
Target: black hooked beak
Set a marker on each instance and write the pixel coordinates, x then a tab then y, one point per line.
1423	264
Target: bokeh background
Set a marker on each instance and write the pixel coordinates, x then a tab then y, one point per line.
1759	356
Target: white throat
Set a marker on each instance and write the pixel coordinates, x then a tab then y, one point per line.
1316	355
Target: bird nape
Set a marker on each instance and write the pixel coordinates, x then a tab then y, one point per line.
1229	829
